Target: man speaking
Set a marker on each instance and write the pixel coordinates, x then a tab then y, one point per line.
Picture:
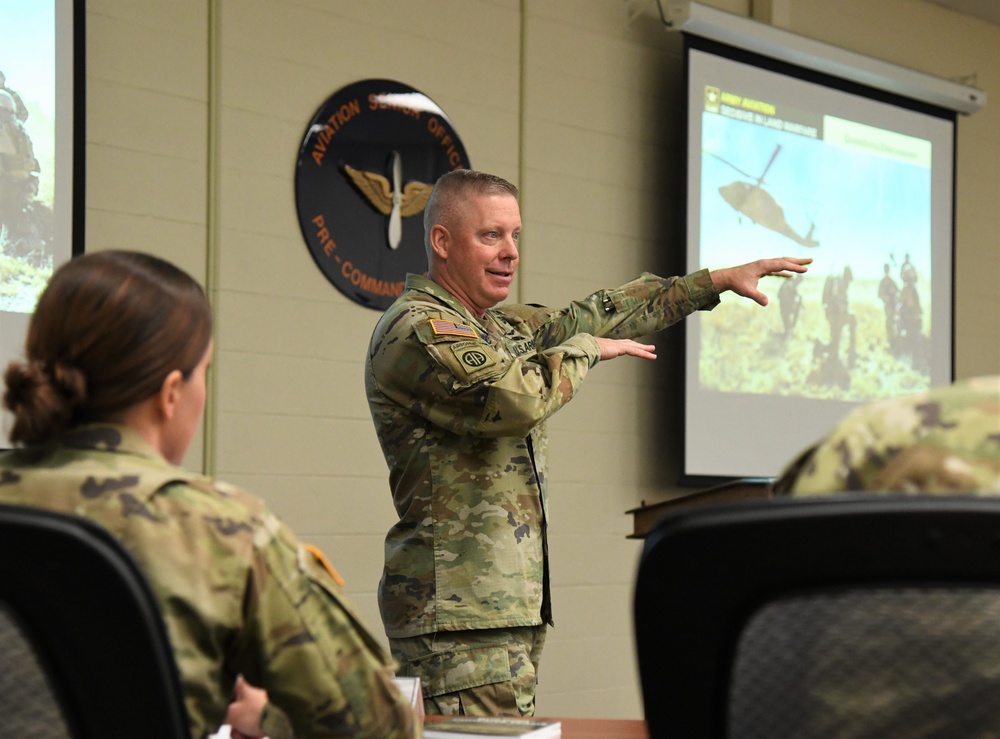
460	388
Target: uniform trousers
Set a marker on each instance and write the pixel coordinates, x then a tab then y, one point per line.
482	672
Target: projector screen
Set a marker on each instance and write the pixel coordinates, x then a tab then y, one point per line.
41	158
786	162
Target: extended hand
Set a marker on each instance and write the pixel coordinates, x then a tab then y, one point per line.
743	280
611	348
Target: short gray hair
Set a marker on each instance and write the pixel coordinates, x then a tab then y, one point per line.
453	186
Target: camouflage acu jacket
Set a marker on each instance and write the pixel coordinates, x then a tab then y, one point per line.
944	440
239	593
459	406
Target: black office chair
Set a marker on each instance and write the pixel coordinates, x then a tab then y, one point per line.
844	616
83	649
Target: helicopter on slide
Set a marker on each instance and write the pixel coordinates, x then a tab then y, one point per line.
757	204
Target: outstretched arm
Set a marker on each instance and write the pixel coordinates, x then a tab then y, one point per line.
743	279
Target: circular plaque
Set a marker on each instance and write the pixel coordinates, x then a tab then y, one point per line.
366	166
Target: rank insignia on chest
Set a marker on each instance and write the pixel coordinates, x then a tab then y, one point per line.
450	328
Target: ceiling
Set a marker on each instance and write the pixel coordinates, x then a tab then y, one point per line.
987	10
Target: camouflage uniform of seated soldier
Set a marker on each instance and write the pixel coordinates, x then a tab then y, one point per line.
105	405
944	440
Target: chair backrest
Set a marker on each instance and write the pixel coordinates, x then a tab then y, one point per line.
846	616
83	648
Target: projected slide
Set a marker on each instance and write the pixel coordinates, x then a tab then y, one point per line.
781	166
27	150
855	197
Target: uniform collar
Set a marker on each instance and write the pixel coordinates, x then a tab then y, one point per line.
110	437
427	286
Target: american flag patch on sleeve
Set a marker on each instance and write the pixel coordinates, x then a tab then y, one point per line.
442	327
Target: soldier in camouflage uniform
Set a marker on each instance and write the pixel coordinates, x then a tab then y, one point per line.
944	440
460	390
20	109
18	170
104	409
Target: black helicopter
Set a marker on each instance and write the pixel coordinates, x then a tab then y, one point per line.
757	204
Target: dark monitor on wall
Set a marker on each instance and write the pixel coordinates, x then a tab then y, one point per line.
784	160
41	157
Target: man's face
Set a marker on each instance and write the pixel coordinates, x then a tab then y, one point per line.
479	250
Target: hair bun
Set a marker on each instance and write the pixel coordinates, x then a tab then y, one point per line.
23	381
42	398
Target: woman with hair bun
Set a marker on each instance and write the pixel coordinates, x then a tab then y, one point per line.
105	404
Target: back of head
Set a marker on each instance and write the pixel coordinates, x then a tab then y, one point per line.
108	329
946	439
453	187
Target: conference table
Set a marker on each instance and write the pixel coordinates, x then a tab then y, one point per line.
593	728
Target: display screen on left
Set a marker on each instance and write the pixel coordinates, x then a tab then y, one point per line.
40	45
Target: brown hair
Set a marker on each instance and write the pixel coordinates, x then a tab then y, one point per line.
454	185
108	329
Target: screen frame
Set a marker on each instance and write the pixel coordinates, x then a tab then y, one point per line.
79	178
711	46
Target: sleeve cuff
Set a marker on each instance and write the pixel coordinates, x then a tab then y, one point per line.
274	724
701	291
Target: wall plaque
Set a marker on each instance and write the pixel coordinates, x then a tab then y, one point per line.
366	166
